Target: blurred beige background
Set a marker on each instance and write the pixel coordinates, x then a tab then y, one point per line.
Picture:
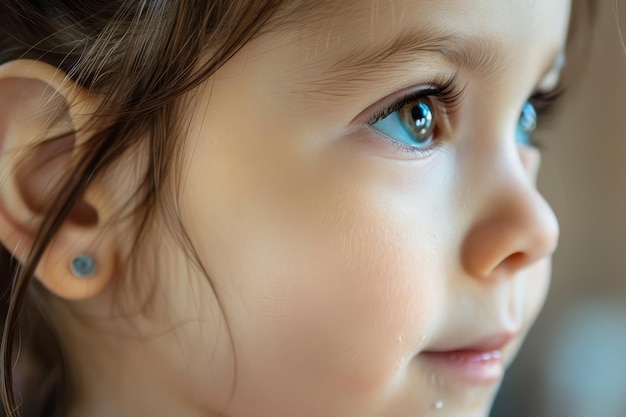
574	362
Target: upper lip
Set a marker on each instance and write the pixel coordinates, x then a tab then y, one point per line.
490	343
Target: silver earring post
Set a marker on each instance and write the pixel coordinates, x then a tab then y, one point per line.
83	266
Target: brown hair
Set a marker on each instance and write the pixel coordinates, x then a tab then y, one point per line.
141	57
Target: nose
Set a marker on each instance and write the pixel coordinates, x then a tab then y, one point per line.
514	227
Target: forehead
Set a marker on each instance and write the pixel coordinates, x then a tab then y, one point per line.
332	33
375	16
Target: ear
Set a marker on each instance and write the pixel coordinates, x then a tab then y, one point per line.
38	102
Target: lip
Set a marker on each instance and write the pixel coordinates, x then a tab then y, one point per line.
478	362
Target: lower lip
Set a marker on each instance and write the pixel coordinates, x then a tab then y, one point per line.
473	366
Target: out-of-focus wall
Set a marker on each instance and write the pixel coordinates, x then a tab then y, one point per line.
574	362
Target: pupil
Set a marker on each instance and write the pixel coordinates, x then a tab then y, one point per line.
422	117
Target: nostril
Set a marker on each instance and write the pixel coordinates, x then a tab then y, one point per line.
516	260
518	230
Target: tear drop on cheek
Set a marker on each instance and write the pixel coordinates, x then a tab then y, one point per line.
438	405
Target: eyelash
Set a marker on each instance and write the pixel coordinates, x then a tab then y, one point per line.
545	103
447	95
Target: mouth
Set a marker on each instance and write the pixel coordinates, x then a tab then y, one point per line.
478	362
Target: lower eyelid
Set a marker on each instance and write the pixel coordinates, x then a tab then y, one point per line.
383	144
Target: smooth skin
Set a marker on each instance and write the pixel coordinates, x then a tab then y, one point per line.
335	257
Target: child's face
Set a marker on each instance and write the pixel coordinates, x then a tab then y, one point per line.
371	259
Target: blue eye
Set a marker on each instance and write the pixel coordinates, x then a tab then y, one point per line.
412	124
526	125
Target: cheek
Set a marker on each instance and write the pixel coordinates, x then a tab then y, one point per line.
327	278
328	286
352	299
374	281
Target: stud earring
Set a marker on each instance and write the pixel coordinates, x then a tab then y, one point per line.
83	266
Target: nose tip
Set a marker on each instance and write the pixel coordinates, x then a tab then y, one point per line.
520	230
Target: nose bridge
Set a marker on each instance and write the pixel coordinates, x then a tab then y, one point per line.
510	224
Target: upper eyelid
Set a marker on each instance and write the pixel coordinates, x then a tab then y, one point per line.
398	103
445	97
417	90
547	103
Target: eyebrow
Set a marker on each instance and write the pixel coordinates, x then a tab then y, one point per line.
391	57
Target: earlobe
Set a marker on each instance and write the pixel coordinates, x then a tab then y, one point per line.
38	144
77	275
